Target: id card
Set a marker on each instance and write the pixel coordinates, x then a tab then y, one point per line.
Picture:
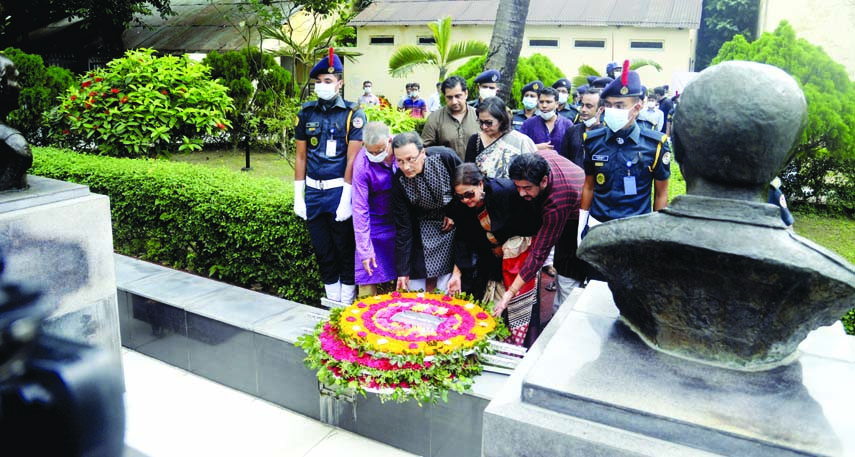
331	148
629	185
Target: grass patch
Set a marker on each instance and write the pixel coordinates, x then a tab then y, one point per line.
263	163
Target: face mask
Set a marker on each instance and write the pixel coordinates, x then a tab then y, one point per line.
616	119
325	91
377	158
414	94
529	102
562	97
367	90
651	105
547	115
591	122
487	93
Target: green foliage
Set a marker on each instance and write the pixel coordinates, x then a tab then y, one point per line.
721	21
534	67
398	121
823	169
442	55
217	223
141	105
257	85
40	88
849	322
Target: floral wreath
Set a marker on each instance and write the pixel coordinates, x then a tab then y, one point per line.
403	345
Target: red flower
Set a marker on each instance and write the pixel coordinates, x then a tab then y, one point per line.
124	99
73	97
65	132
86	84
107	111
164	92
98	80
404	385
221	125
93	93
114	90
482	316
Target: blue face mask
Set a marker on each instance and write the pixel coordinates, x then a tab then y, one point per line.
529	102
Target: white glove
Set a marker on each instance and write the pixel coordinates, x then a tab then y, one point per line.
583	221
345	209
299	200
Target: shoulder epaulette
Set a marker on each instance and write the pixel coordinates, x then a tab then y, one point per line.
310	104
351	105
658	136
593	134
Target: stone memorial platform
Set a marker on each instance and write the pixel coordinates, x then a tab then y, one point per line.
245	340
591	387
56	237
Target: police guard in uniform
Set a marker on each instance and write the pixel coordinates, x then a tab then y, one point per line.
624	163
565	109
329	135
488	86
529	103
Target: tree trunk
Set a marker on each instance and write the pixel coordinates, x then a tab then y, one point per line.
506	43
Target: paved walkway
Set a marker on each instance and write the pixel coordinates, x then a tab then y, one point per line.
171	412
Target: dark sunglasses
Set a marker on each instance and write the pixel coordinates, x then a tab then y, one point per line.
468	195
488	122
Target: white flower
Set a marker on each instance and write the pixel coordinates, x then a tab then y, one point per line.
382	341
356	328
355	311
420	295
447	342
482	324
469	306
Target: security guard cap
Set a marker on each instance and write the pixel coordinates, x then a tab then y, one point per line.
591	79
328	65
533	86
600	83
581	89
629	84
563	82
488	76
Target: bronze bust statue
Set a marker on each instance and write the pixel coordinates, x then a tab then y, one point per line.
715	276
15	155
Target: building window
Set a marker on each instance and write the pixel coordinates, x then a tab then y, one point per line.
382	40
646	45
427	40
589	43
543	42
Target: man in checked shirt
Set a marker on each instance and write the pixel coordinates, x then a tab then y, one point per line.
555	185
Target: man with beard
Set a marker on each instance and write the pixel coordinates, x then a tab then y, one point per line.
455	123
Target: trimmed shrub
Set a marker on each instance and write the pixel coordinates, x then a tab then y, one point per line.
142	106
536	66
212	222
257	84
40	90
398	121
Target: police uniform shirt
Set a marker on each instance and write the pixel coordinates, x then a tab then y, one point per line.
614	159
518	119
317	125
570	112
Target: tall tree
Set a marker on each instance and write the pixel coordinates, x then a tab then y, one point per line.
721	20
506	43
408	57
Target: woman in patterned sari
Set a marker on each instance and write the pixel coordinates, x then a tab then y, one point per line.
494	228
493	148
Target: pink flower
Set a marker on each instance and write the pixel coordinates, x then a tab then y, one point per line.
482	316
361	305
362	334
351	319
413	345
396	294
446	298
471	337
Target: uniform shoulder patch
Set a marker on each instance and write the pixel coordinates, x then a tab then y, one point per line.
357	122
659	137
666	158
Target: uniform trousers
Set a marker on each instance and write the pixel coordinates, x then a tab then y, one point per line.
334	246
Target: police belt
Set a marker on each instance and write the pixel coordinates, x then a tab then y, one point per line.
325	184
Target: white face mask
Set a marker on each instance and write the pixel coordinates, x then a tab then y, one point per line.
487	92
377	158
326	91
367	90
651	105
547	115
591	121
529	102
414	94
562	97
616	119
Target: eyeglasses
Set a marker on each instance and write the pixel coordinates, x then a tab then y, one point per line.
409	161
486	122
468	195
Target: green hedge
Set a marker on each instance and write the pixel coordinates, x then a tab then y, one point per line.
211	222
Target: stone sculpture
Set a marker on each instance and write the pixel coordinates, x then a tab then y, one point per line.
15	155
715	276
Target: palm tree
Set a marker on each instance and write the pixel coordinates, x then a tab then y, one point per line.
506	43
312	48
408	57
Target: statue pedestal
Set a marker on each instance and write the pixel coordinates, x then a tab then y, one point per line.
56	237
590	386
